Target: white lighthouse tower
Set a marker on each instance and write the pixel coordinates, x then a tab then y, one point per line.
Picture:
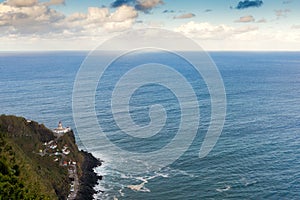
60	129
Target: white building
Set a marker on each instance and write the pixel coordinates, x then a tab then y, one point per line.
60	129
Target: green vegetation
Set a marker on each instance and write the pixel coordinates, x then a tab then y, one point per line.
25	173
11	185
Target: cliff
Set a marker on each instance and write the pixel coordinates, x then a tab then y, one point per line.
35	163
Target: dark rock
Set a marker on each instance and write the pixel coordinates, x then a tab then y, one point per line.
89	178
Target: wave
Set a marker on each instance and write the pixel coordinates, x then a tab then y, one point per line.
247	183
141	187
250	183
223	189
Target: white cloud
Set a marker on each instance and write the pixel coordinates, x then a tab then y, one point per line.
96	14
263	20
206	30
146	5
36	19
295	27
40	19
55	2
282	13
98	19
248	18
21	3
117	26
225	37
123	13
185	16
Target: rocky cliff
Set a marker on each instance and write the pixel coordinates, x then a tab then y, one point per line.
35	163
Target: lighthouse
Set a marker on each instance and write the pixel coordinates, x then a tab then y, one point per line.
60	129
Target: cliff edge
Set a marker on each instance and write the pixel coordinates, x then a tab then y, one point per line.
36	163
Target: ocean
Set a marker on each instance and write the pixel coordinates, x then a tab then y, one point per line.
257	155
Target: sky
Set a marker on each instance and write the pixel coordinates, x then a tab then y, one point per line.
250	25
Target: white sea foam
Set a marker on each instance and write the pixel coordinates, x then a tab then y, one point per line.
250	183
172	171
226	188
141	187
247	182
121	192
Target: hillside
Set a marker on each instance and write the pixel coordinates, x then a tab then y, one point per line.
35	163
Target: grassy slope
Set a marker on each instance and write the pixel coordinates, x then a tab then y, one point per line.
36	177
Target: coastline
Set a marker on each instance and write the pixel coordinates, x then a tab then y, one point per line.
32	153
89	179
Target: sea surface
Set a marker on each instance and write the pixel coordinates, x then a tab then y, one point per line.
257	156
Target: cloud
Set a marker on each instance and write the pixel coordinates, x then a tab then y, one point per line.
123	13
295	27
248	18
55	2
287	2
263	20
206	30
245	29
147	5
248	4
140	5
97	20
119	3
168	11
208	10
96	14
39	19
282	13
184	16
21	3
227	37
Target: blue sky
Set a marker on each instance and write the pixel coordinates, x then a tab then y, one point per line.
216	25
222	11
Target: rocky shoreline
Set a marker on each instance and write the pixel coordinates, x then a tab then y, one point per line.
89	178
41	164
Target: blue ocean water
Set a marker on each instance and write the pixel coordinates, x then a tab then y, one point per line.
256	157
